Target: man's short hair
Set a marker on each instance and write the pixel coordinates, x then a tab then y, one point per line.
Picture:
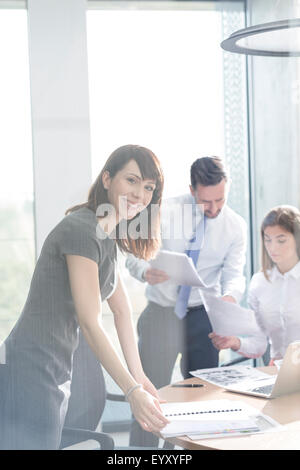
208	171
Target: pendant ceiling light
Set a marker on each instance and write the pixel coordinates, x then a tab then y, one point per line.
277	39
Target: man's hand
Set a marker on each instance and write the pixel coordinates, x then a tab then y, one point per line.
155	276
225	342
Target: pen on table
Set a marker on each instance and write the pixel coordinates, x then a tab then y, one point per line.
188	385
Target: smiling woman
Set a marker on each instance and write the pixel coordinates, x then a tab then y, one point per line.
128	192
75	271
132	172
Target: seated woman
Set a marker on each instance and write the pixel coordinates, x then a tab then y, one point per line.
274	293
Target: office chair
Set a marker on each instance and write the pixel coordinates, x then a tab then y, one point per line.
72	436
87	400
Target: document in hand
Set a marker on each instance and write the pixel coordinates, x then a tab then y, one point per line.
213	418
179	267
229	319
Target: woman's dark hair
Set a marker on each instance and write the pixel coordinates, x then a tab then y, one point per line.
208	171
144	247
287	217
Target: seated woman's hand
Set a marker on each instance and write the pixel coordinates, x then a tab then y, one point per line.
225	342
147	411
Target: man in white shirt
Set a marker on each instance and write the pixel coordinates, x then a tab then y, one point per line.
163	330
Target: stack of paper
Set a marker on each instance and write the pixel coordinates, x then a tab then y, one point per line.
179	267
229	319
213	418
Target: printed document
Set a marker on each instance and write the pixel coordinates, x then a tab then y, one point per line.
213	418
262	422
227	377
229	319
179	267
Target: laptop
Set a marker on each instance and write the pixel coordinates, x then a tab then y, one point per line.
285	382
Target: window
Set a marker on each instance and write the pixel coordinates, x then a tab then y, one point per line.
158	78
17	248
274	120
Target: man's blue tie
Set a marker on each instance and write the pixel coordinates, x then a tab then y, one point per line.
195	245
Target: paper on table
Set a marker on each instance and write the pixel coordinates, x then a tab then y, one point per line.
179	267
206	417
263	422
244	377
229	319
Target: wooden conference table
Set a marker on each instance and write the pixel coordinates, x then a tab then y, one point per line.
285	410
